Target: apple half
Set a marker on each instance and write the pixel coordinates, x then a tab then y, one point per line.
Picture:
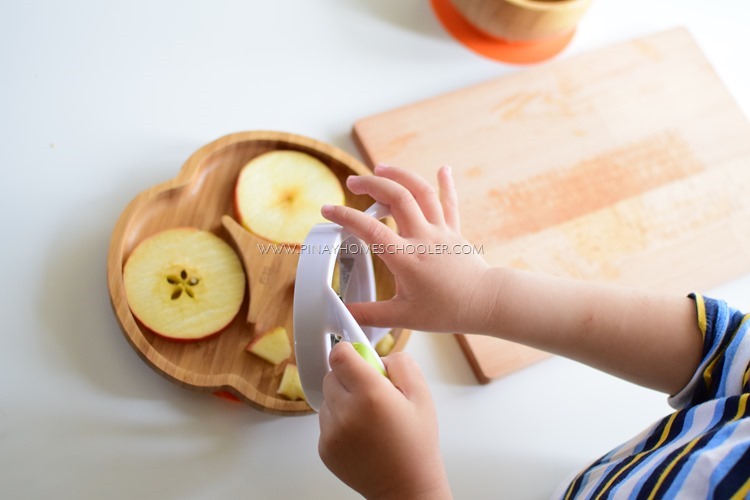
184	283
278	195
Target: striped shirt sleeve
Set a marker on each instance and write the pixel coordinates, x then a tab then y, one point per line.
723	370
702	450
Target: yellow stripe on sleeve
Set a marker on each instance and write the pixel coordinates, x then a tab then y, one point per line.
708	372
669	468
635	458
739	414
742	492
700	305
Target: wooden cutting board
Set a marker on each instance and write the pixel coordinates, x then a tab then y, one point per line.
629	164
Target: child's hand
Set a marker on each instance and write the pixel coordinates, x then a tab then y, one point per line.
437	275
380	436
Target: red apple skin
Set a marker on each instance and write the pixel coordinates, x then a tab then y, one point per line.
181	340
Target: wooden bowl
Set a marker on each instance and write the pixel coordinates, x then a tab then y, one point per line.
523	20
202	196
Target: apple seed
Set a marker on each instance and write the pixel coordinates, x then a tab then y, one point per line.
182	283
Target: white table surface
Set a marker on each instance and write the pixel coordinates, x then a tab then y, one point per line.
100	100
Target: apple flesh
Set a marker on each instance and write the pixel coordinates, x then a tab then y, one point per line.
184	283
368	356
336	279
385	345
290	386
278	195
273	346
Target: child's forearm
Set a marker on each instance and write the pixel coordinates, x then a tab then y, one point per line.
650	339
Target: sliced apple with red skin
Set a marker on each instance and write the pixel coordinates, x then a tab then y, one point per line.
290	386
184	283
273	346
278	195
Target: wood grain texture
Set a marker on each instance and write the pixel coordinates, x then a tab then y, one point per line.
202	196
629	165
523	20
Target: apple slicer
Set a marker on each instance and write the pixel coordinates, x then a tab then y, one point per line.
320	315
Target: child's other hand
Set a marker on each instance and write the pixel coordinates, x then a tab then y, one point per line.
380	436
437	273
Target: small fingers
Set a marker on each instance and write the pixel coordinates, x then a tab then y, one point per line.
364	227
354	374
328	440
373	232
448	198
424	194
334	392
406	375
403	206
385	313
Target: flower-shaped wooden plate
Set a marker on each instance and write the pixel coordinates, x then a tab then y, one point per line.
202	196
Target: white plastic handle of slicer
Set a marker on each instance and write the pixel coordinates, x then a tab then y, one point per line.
319	313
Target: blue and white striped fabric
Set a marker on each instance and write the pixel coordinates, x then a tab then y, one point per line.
703	449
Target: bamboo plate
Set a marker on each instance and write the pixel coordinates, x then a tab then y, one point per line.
202	196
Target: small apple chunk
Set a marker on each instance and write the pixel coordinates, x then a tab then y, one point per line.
273	346
278	195
290	386
184	283
385	345
336	278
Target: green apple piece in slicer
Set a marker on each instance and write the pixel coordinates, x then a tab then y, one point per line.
368	356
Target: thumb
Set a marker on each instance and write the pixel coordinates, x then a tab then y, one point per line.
386	313
406	375
351	369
